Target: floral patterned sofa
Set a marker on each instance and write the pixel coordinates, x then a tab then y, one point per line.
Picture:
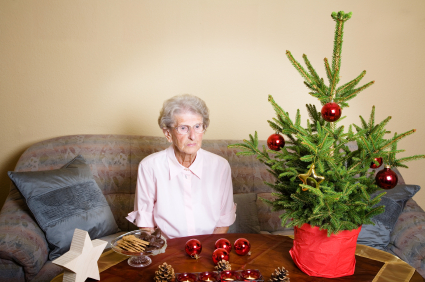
113	160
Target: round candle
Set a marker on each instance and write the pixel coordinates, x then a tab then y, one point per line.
229	275
208	276
250	274
186	277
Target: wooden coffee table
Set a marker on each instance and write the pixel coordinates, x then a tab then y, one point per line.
268	253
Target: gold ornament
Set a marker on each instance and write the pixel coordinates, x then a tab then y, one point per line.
311	178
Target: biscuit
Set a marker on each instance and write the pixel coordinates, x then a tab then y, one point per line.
131	243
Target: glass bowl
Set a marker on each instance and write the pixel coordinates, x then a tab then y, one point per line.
138	259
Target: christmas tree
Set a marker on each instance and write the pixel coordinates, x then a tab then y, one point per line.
319	180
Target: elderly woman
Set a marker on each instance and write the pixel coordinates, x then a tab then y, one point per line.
184	190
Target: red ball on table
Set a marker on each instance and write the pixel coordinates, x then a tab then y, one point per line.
373	165
223	243
386	178
220	254
193	248
275	142
242	246
331	112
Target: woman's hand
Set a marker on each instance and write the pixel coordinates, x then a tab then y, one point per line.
221	230
148	229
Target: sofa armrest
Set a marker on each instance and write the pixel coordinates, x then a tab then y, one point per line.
10	271
408	236
21	240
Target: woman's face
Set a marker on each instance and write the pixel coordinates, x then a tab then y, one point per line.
190	142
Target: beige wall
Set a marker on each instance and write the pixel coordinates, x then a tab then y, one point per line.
99	67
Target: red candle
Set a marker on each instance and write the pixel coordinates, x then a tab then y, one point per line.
250	274
229	275
208	276
186	277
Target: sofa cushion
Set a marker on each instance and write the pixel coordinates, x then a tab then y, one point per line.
246	214
64	199
269	219
408	236
378	235
48	272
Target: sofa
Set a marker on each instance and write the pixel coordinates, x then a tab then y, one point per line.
113	161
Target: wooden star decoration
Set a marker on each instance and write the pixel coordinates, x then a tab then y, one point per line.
311	178
80	262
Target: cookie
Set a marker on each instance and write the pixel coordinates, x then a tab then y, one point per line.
131	243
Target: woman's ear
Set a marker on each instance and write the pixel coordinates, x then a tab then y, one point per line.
167	134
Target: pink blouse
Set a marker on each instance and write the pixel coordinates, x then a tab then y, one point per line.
183	201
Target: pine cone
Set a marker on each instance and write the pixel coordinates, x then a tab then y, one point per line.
165	273
223	265
280	275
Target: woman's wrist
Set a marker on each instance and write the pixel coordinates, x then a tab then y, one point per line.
221	230
148	229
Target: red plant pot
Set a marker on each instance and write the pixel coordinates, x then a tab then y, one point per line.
318	255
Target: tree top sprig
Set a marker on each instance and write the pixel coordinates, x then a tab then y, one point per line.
341	16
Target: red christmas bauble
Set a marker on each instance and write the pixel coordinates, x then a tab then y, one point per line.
275	142
331	112
373	165
242	246
220	254
223	243
386	178
193	248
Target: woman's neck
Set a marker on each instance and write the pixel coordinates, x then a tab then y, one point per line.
184	159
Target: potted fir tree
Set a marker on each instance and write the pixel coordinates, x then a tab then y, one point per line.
322	186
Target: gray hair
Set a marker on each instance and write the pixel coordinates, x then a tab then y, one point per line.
181	104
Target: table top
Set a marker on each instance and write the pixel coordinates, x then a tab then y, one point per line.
268	252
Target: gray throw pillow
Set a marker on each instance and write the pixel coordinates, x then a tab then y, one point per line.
378	235
246	214
64	199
